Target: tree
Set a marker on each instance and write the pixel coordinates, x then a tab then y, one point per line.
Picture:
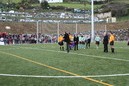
24	4
108	1
44	5
117	9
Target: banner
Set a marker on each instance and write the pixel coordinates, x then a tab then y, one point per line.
1	43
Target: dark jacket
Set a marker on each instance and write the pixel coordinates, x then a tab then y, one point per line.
76	39
66	38
105	40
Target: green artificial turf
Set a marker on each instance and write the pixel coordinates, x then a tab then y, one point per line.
48	60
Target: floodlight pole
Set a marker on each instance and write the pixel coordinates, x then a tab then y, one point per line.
92	20
37	31
40	27
105	28
76	27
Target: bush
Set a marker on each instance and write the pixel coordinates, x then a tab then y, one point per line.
57	7
45	5
117	9
119	12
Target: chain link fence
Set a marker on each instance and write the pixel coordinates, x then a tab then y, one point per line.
42	32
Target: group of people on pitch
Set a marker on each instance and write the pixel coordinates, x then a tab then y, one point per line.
70	41
73	41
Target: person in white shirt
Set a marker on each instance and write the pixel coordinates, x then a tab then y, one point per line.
1	41
82	41
97	41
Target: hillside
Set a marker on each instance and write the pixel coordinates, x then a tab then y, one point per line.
11	1
15	1
22	28
17	27
122	1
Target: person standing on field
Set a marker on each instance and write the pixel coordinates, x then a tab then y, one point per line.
105	42
111	41
88	41
97	41
67	40
76	40
60	42
128	42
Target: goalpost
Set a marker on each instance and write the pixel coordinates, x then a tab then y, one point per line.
60	27
55	28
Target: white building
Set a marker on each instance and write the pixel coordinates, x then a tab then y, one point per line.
52	1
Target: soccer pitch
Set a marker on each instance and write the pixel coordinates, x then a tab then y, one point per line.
46	65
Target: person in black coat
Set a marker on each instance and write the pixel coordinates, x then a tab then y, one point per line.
76	40
67	40
105	42
88	41
128	42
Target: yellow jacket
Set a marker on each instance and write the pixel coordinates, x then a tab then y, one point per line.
111	38
71	37
60	39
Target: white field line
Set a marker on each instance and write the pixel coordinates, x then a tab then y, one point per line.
102	57
39	76
93	56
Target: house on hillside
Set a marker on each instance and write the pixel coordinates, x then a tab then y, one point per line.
52	1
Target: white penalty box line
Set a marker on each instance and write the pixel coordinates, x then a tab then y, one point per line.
38	76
